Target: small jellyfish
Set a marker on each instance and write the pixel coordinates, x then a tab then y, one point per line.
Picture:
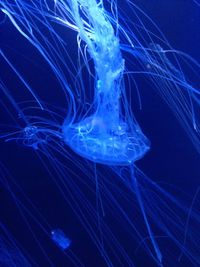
60	239
31	137
30	131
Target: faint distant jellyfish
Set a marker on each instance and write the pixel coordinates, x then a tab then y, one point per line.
107	136
32	137
60	239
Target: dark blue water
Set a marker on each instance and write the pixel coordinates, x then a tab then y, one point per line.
172	159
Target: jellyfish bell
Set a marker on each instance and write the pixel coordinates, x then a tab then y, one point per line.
95	139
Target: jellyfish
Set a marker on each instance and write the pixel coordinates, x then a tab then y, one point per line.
106	136
90	144
60	239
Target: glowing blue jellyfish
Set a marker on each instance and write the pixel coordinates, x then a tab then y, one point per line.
97	122
106	136
60	239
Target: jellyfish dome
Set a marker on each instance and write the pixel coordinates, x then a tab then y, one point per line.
93	139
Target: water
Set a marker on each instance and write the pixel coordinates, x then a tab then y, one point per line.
100	133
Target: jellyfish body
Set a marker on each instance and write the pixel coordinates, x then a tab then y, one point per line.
60	239
105	136
30	137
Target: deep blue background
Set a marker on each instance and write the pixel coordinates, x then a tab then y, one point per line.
172	158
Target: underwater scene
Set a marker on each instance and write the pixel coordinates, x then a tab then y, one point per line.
99	133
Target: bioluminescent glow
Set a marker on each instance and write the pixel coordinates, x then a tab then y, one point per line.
106	136
86	134
60	239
